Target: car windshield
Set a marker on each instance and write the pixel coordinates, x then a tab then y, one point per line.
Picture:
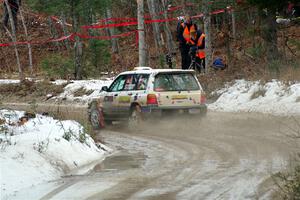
175	82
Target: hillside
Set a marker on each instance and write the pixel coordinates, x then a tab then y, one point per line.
245	53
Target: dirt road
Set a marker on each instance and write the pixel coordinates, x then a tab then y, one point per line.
223	156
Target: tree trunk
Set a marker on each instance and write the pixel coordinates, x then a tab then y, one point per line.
233	24
227	37
78	58
53	32
14	39
28	44
207	31
269	35
141	33
170	42
77	50
63	25
184	8
155	26
111	32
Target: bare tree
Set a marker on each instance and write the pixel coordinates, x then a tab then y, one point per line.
155	26
170	41
14	38
28	44
111	32
77	50
65	30
233	24
141	33
207	31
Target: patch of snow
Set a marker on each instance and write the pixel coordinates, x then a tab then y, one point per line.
8	81
273	97
41	150
92	87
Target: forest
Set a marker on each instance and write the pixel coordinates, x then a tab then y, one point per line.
76	39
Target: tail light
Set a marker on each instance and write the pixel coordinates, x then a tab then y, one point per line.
202	99
151	99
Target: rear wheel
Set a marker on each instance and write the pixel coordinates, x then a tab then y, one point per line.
96	116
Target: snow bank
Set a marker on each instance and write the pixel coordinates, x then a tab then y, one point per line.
90	88
41	150
79	91
273	97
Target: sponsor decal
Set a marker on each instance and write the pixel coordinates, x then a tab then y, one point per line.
124	99
179	97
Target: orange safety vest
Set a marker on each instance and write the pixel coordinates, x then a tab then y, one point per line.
200	52
187	33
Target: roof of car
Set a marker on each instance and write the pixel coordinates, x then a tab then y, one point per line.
148	70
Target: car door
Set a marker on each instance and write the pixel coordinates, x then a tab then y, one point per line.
135	86
111	99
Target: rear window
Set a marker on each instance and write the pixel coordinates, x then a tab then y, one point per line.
175	82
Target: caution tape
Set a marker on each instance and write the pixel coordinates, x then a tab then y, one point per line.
129	22
70	37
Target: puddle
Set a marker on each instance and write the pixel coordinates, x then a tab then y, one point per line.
121	162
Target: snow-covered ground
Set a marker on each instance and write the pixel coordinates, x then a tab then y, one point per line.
41	150
8	81
91	87
88	89
273	97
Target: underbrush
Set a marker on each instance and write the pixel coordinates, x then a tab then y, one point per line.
30	88
288	182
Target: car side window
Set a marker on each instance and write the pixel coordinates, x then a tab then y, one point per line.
142	82
130	82
136	82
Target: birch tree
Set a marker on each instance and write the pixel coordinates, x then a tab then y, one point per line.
111	32
14	38
207	31
170	41
141	33
28	44
156	32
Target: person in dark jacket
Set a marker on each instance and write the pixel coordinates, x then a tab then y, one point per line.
185	40
14	6
199	48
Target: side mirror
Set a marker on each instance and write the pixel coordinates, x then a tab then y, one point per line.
104	88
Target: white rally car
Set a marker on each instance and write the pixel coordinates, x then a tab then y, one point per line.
136	95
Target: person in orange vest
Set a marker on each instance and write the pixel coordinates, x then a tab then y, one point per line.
199	40
184	37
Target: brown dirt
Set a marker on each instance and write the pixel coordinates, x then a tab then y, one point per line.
28	91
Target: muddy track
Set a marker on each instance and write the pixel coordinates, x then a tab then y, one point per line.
223	156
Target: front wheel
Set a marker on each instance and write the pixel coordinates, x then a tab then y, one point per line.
96	116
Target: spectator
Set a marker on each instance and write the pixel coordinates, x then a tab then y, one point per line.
199	40
185	40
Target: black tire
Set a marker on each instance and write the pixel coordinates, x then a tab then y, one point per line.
96	116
